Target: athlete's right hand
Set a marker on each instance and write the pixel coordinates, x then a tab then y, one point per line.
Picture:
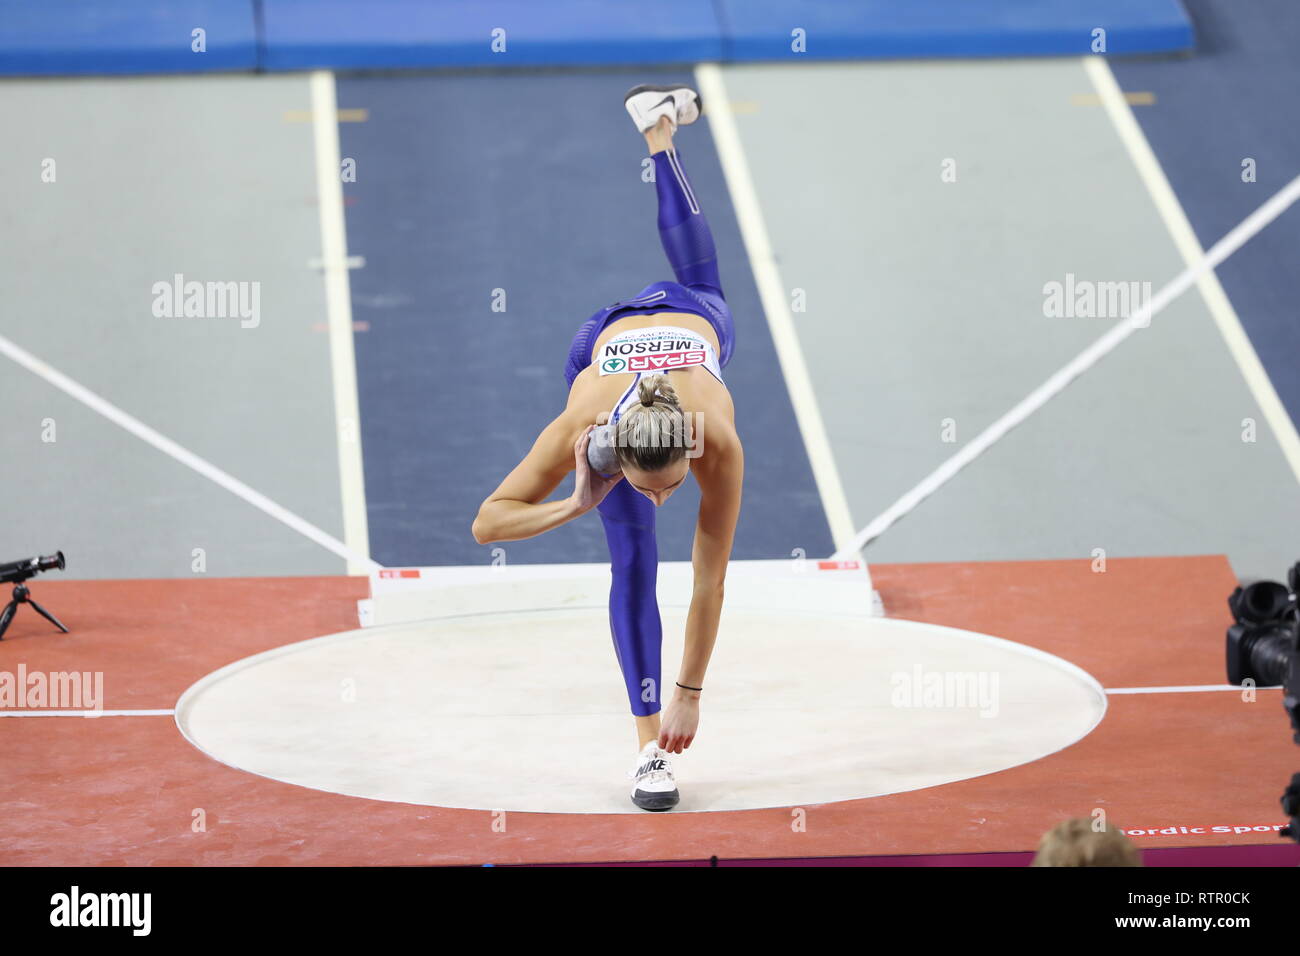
589	487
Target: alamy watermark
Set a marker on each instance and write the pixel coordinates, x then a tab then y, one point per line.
676	431
940	690
1088	299
56	690
181	299
132	911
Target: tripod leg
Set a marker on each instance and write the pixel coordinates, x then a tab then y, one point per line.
6	616
47	615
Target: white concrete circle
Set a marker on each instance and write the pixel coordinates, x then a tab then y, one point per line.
525	711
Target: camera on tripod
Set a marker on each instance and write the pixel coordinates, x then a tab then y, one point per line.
1264	648
19	572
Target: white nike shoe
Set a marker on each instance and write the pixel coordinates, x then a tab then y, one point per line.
646	104
655	788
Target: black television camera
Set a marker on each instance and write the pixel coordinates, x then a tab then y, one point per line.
19	572
1264	647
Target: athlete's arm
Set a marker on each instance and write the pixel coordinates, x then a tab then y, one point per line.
720	474
518	508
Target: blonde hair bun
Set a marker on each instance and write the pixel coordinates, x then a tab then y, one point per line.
653	388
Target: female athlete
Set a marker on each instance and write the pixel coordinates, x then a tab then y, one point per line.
647	408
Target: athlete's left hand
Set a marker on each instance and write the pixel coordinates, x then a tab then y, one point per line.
681	719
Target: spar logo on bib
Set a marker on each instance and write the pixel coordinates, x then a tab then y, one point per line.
652	363
609	366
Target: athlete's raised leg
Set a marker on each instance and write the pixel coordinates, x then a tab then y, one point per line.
683	230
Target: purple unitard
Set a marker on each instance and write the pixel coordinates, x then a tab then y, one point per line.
628	516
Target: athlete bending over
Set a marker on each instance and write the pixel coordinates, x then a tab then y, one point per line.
649	370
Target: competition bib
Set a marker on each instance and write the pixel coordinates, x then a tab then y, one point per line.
652	350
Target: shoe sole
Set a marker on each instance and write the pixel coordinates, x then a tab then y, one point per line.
656	802
653	88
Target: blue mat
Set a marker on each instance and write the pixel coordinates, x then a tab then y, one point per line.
62	37
877	29
493	33
154	36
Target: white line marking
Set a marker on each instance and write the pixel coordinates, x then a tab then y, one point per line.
338	308
1180	229
352	262
87	713
1273	207
749	216
1190	689
186	457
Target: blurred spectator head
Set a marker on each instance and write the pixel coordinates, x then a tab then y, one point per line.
1083	842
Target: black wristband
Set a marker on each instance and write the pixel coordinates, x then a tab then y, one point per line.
684	687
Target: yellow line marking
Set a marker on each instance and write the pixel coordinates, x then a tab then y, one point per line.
1140	98
342	116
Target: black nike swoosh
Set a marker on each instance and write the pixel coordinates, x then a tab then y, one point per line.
666	99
